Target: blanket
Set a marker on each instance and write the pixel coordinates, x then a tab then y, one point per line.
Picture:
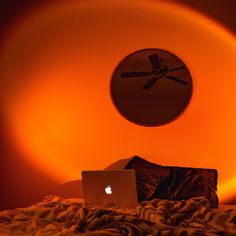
58	216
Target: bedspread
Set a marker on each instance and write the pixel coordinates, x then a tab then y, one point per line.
58	216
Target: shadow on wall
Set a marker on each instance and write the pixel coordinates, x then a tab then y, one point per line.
73	189
21	184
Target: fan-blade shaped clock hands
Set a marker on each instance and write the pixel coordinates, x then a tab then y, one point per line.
135	74
177	68
151	82
158	71
175	79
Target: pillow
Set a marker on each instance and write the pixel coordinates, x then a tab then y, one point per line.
148	176
184	183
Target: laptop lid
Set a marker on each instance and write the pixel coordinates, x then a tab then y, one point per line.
110	188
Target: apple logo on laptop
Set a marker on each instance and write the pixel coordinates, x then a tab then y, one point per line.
108	190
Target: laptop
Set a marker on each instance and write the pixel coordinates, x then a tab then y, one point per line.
110	188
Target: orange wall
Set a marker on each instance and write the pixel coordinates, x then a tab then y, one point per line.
56	67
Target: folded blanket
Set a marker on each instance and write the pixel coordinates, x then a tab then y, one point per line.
57	216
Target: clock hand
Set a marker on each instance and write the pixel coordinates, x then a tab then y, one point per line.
135	74
177	68
151	82
175	79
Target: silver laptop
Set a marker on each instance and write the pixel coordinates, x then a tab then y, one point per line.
110	188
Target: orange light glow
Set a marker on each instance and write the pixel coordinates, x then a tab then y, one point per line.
56	67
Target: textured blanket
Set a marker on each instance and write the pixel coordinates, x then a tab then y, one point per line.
57	216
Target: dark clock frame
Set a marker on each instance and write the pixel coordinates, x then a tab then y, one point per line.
144	111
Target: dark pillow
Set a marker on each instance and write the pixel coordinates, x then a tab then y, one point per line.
148	176
184	183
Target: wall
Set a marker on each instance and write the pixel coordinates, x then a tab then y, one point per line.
57	115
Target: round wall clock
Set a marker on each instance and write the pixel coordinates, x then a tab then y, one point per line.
151	87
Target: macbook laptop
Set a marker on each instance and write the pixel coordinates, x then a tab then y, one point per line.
110	188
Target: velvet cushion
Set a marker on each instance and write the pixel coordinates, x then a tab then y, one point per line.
184	183
173	183
148	176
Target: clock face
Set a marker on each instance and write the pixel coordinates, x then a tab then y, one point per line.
151	87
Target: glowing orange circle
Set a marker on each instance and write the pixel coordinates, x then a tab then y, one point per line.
55	73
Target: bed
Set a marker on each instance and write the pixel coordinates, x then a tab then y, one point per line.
172	201
58	216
